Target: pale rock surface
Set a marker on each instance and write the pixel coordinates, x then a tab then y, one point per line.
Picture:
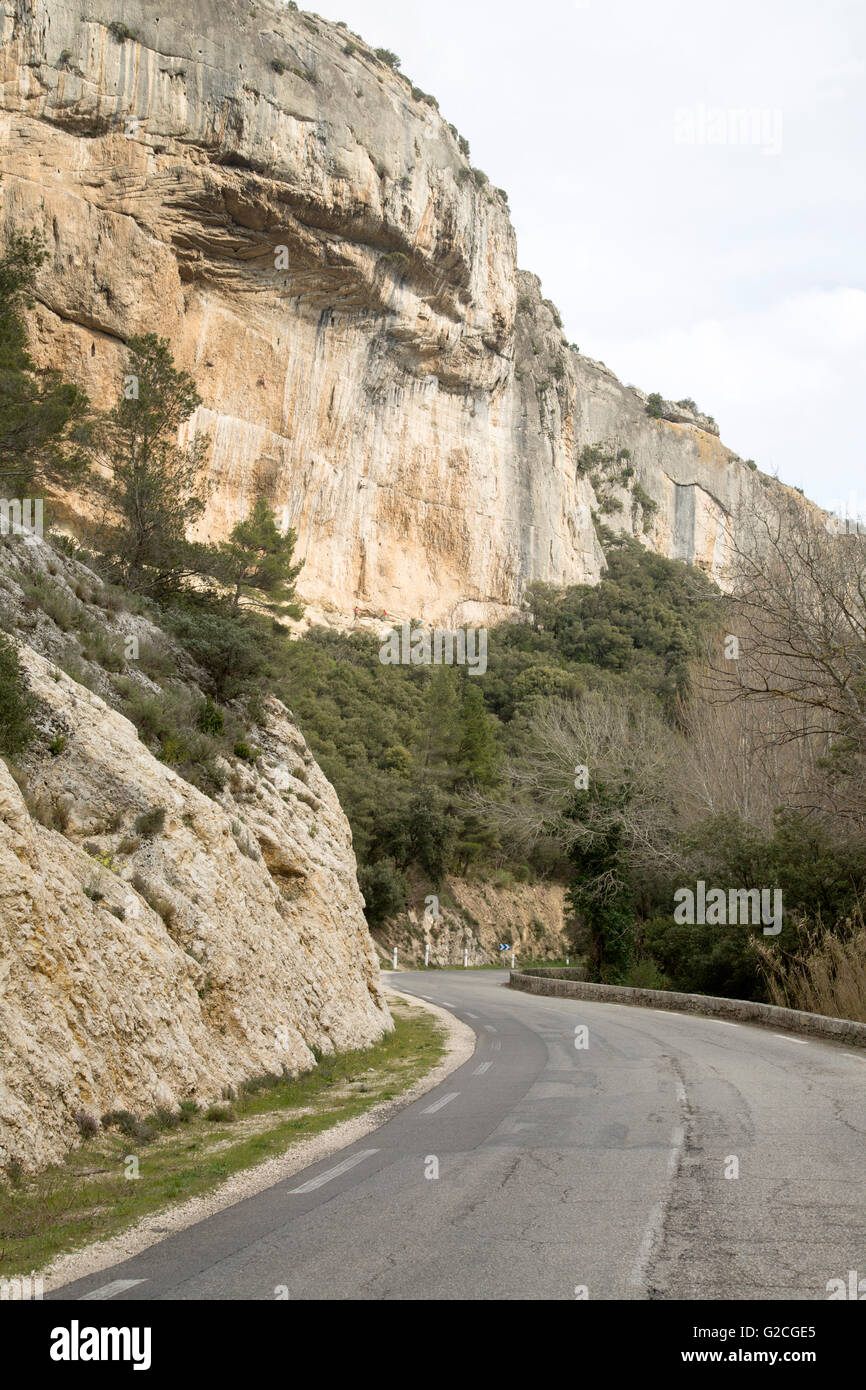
401	391
474	918
143	971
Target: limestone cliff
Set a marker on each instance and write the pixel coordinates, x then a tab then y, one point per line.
258	186
476	917
157	943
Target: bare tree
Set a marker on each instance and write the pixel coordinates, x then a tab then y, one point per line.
798	614
613	741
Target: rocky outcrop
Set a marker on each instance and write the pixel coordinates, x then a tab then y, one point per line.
472	919
159	944
258	186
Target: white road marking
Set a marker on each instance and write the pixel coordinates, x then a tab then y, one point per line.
857	1056
446	1005
468	1015
440	1104
637	1278
485	1067
488	1028
725	1024
496	1046
332	1173
110	1290
800	1042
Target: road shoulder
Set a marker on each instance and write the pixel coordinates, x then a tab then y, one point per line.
460	1044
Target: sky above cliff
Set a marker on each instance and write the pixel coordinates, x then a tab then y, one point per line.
689	183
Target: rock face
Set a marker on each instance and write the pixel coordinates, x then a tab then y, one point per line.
303	225
145	962
481	917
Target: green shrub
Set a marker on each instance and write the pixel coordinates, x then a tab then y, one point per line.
150	823
210	719
385	891
655	406
388	58
128	1124
88	1125
219	1114
16	703
120	31
229	649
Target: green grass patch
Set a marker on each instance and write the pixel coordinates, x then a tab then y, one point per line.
89	1197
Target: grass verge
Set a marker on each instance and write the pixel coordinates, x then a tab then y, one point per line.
91	1194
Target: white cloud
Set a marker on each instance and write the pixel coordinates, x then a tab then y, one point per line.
708	271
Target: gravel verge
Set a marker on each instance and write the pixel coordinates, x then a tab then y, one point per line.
460	1044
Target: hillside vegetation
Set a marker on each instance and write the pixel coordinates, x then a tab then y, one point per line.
615	743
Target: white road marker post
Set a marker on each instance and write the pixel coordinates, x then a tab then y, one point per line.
466	960
427	956
395	957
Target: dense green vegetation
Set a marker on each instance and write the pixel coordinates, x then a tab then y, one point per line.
585	753
44	424
15	703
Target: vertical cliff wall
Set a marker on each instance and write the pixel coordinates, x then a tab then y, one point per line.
258	186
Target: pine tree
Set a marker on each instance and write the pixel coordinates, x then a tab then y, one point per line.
16	703
43	419
477	751
257	562
155	486
440	727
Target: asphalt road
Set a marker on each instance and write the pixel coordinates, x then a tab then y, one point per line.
561	1169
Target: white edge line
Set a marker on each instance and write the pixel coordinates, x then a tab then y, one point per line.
637	1278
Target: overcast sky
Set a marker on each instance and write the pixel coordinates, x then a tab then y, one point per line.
695	255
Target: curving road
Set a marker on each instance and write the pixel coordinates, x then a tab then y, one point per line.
561	1170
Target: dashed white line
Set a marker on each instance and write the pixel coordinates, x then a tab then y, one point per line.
488	1028
857	1056
496	1046
332	1173
110	1290
800	1042
469	1015
485	1067
440	1104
